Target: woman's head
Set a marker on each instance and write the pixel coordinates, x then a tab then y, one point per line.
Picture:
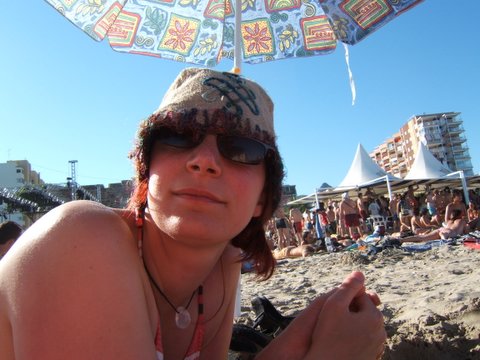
240	113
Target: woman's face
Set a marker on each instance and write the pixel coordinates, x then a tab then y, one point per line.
198	194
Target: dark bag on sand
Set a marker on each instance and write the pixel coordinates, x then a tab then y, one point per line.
268	319
248	341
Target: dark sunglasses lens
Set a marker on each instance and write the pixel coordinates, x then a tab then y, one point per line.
179	140
241	149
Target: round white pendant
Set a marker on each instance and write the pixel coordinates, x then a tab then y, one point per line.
182	318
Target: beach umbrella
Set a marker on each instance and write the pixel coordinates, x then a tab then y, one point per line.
203	32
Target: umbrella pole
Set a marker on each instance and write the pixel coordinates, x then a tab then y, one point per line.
237	50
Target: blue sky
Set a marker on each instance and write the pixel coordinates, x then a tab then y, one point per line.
66	97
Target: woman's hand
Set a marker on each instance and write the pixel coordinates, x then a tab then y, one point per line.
341	324
349	325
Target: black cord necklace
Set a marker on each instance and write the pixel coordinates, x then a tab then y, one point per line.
182	316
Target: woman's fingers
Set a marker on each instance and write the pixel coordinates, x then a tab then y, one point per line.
353	286
374	297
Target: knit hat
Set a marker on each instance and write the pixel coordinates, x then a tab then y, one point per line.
220	102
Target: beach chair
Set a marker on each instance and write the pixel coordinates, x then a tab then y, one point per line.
377	220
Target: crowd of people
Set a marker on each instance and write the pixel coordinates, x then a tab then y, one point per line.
409	213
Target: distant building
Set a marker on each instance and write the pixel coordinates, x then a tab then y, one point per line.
442	133
289	193
24	196
116	195
16	174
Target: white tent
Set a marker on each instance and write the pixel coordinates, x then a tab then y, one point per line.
426	166
364	171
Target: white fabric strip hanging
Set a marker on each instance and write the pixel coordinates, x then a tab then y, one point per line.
350	75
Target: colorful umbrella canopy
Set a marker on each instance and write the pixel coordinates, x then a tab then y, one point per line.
203	31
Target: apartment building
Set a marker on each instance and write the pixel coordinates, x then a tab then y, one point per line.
442	133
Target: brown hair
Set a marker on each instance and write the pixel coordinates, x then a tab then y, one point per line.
252	239
9	230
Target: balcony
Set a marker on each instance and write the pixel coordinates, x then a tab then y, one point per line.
460	149
454	130
452	141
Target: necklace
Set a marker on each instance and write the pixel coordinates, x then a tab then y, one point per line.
182	316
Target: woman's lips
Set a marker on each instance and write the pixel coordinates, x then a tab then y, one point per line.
199	194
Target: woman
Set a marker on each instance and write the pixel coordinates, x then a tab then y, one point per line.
427	221
473	216
158	280
419	222
282	226
405	212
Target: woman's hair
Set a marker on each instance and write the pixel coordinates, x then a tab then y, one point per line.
458	194
252	239
456	214
9	230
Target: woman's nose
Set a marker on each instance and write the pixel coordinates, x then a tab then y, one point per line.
205	158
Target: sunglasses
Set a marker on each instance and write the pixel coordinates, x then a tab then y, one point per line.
239	149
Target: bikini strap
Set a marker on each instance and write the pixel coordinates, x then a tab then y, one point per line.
139	219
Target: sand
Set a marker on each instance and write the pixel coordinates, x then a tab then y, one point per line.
430	300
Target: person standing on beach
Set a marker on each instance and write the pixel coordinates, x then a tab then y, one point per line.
349	214
158	280
282	226
332	220
430	202
307	225
296	219
374	208
362	205
410	197
393	207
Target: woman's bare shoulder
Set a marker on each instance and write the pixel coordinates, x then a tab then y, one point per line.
78	233
82	265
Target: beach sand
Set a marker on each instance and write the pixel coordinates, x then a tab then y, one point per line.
430	300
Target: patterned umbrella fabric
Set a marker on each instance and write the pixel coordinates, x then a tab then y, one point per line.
202	31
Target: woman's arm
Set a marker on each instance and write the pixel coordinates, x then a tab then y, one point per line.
74	289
